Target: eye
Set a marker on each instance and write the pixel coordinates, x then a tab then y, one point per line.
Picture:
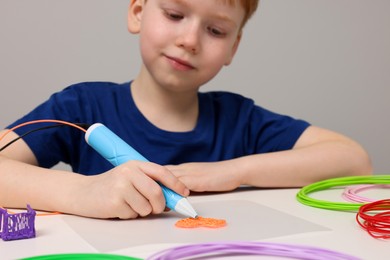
175	16
216	32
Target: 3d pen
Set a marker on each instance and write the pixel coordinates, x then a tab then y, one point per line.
117	151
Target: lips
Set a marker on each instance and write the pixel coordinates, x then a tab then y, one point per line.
179	64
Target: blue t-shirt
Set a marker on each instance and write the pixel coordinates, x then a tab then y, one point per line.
229	126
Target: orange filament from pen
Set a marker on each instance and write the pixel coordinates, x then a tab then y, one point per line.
35	122
377	225
38	214
42	121
200	222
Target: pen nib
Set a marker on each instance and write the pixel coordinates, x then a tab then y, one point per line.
184	207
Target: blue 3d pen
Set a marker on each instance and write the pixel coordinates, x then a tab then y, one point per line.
117	151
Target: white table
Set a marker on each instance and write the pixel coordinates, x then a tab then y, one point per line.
339	230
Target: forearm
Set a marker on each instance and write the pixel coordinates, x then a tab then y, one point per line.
297	167
127	191
46	189
305	165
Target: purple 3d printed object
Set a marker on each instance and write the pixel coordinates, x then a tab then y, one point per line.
18	225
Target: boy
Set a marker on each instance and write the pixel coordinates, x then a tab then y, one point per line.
213	141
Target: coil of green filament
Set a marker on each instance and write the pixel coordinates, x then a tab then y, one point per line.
304	198
82	256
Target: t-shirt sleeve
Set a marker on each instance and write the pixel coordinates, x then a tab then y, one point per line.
53	145
272	132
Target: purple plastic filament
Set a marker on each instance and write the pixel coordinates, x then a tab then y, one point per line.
18	225
208	250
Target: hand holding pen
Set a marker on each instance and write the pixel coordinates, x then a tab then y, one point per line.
116	151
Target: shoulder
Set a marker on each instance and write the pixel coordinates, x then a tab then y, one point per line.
96	87
89	92
226	108
226	99
243	109
225	95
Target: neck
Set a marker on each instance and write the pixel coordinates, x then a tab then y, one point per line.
169	109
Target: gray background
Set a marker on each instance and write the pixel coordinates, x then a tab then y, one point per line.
326	61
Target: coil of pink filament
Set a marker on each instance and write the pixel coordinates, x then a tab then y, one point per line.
351	192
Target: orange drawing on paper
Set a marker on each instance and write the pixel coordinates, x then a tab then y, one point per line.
200	222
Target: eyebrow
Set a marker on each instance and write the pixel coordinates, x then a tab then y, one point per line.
218	16
181	2
225	18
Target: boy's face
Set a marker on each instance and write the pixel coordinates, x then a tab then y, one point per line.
185	43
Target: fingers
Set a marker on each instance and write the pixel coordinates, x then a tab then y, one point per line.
165	177
148	199
133	190
142	193
125	211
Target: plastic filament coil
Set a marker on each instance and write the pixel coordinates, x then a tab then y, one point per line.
304	198
210	250
374	217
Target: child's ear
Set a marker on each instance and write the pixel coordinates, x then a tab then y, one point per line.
134	15
234	49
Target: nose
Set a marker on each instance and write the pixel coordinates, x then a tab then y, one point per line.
189	38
